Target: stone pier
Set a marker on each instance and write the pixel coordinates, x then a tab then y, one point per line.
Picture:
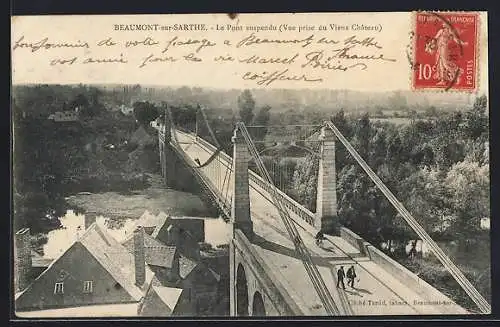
240	211
326	201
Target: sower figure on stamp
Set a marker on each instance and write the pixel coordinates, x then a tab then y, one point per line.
340	277
351	275
446	69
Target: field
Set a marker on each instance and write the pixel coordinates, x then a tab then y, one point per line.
394	120
155	198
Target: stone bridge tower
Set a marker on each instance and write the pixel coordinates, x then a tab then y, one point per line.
240	208
167	161
326	199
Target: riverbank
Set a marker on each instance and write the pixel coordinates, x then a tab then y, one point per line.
132	204
117	211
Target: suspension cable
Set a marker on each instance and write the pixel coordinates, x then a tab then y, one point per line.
212	157
466	285
311	269
212	134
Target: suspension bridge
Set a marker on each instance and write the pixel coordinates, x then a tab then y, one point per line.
276	266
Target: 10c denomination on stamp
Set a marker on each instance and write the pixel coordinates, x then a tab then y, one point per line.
445	51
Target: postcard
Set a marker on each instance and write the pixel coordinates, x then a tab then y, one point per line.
250	165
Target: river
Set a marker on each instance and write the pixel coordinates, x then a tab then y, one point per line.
116	213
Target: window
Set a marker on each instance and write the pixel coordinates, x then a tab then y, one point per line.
88	286
59	288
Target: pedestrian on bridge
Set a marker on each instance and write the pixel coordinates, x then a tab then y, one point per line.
319	238
413	251
340	277
351	275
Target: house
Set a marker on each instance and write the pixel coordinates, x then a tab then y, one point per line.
186	288
142	138
162	301
162	259
201	284
126	110
183	270
484	223
185	233
64	116
157	124
140	276
94	270
150	221
28	264
38	264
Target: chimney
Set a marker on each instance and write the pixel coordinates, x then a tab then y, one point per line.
174	274
171	239
22	259
139	256
90	218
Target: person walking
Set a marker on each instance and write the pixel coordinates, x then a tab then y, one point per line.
319	238
340	277
351	275
413	251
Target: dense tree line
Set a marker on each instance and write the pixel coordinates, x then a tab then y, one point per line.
53	159
439	169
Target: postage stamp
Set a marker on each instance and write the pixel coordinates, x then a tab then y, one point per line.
445	51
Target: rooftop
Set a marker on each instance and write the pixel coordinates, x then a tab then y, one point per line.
115	258
169	295
186	266
150	220
157	253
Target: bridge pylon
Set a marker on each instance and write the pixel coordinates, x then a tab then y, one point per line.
240	209
326	217
167	161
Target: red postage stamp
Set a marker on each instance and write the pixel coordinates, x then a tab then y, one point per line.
445	51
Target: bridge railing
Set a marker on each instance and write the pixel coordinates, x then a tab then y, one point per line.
290	203
223	202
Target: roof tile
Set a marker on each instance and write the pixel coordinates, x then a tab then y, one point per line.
157	253
186	266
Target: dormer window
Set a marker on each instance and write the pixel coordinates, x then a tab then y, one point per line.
59	288
88	286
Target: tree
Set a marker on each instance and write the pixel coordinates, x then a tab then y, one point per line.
398	102
476	120
468	184
425	197
340	121
304	183
431	111
379	113
145	112
246	104
395	151
80	101
342	155
362	136
358	201
378	149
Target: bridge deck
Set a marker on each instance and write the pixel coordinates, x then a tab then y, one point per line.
376	293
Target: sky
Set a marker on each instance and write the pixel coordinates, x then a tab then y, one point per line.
392	37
